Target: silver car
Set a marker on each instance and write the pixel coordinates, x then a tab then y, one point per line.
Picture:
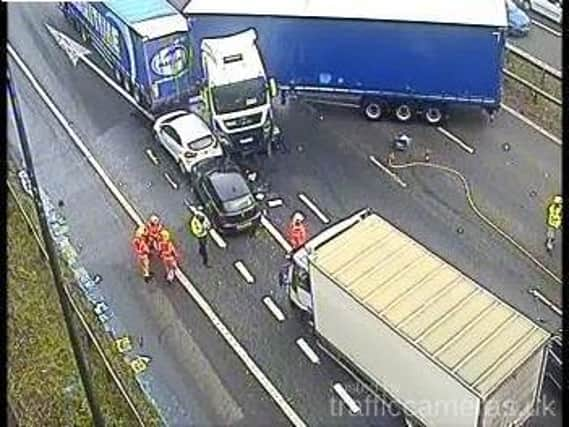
187	138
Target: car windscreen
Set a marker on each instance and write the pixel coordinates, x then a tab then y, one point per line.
239	203
239	96
200	144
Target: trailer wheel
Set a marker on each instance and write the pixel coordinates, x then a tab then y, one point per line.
403	113
433	115
126	83
118	76
373	110
84	35
136	95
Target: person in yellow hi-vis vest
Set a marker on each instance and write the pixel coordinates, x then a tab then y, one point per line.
554	220
199	227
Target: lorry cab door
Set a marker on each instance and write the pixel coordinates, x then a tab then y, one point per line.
300	288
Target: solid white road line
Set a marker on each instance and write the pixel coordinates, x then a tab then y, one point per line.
307	350
274	203
545	301
456	140
241	268
171	181
273	308
388	171
348	400
73	135
273	231
303	198
546	28
184	281
152	156
532	124
212	231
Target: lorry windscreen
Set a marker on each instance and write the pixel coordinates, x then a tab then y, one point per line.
239	96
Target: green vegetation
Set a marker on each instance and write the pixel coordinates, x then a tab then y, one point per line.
535	107
44	386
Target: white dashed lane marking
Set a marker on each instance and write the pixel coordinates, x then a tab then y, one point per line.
173	183
545	301
237	348
274	309
274	203
273	231
152	156
304	199
241	268
348	400
307	350
388	171
456	140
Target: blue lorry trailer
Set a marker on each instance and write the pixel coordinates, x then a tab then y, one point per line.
144	42
400	58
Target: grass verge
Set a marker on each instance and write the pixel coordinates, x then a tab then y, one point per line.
536	108
44	386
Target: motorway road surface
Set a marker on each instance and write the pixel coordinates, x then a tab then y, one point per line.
542	43
198	379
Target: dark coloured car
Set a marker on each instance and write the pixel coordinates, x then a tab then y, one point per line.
225	195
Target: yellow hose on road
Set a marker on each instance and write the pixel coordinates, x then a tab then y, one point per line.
476	210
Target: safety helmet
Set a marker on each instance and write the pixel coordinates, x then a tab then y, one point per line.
200	215
154	220
141	231
557	199
297	217
165	235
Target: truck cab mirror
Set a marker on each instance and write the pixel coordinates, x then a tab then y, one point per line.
273	89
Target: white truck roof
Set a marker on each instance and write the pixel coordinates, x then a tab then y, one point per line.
234	58
469	12
473	335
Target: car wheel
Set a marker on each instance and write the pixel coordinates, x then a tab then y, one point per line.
526	5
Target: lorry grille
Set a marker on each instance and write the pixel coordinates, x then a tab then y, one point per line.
244	121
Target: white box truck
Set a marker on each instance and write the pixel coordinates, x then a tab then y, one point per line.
415	329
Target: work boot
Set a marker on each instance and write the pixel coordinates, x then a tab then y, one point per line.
147	277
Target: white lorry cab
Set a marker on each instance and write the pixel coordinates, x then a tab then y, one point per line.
415	330
237	92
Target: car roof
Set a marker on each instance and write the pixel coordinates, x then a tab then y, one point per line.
228	184
190	127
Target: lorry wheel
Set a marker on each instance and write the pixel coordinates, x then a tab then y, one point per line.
118	76
126	84
373	110
84	35
403	113
433	115
136	95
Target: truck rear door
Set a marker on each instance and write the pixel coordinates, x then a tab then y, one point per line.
168	61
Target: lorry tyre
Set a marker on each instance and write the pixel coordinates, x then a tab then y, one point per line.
117	75
84	35
433	115
403	113
126	84
373	110
136	95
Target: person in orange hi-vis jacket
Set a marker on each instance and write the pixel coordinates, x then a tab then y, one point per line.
142	251
297	233
168	255
155	227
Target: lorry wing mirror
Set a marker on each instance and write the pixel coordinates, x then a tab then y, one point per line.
273	89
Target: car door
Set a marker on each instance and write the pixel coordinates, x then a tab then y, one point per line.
171	141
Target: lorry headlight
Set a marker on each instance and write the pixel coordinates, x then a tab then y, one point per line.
155	90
